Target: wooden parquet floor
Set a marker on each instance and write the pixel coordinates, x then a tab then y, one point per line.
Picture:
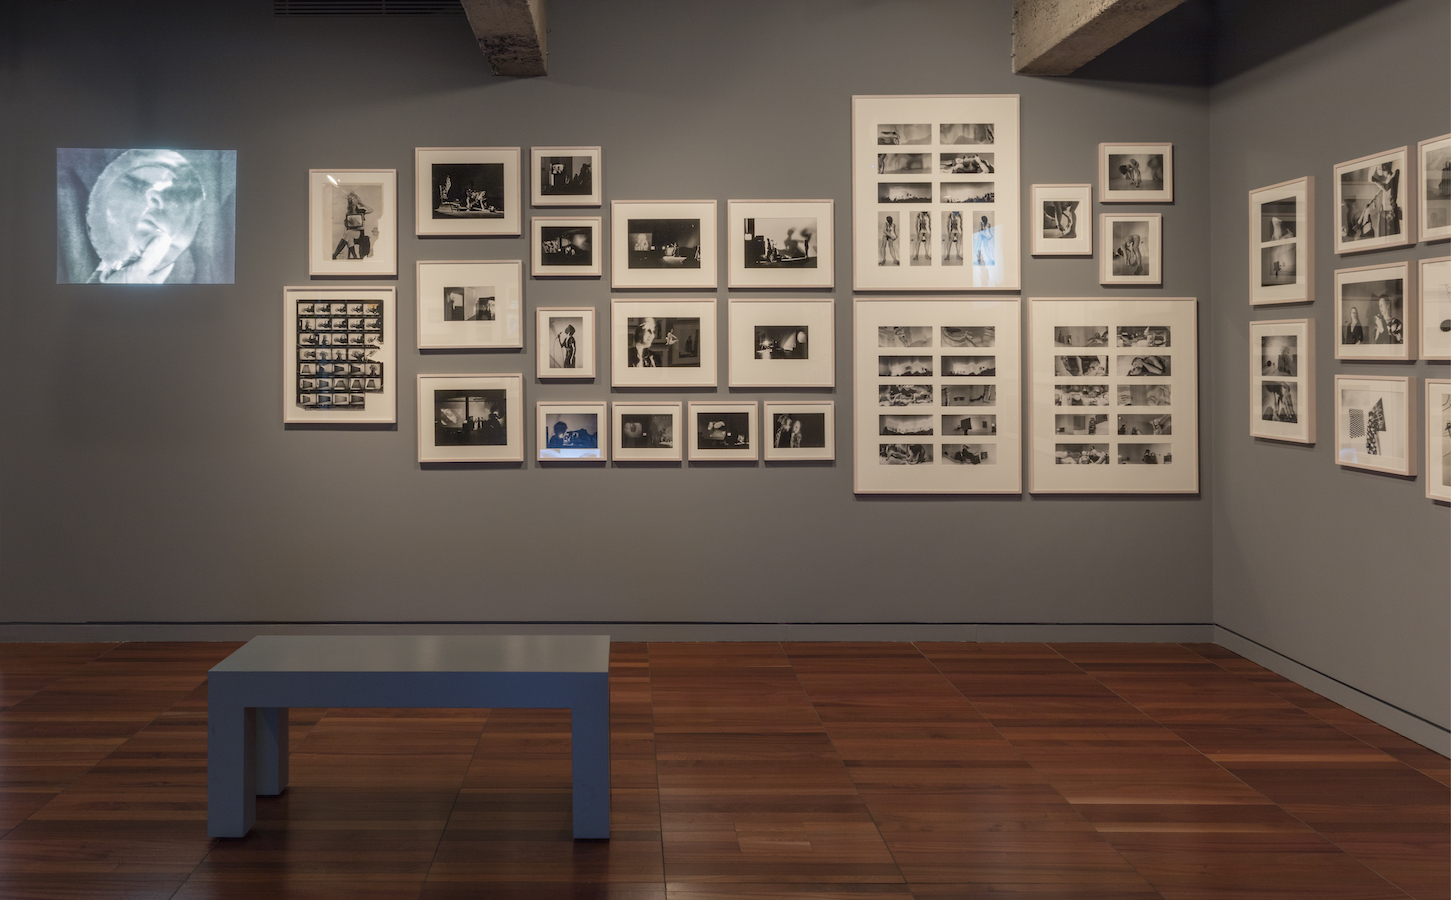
880	771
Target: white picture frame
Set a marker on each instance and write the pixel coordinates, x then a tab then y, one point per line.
313	348
1132	248
1433	164
954	158
470	304
566	247
1374	423
799	431
1117	386
565	343
781	343
714	432
680	351
925	365
1438	439
467	191
1136	172
571	432
1282	242
1367	300
352	213
1433	288
460	421
1374	207
1062	220
647	432
780	244
1282	380
558	178
673	244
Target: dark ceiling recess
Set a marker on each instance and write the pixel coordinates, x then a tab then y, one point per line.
367	8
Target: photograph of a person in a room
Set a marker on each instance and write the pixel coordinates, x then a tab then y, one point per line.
662	342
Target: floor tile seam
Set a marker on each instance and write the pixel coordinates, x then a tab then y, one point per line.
655	757
458	793
75	668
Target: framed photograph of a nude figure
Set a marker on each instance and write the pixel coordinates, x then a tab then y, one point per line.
1375	313
1282	380
1063	220
1133	248
1374	423
467	191
781	244
1434	165
352	222
1374	206
1438	439
1136	173
1282	242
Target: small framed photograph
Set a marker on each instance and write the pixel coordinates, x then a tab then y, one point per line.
572	432
647	432
1132	250
1282	380
780	243
340	349
1434	286
1372	305
721	432
782	343
1438	439
1063	220
467	190
1136	173
565	346
467	305
352	222
800	431
566	176
1282	242
567	247
662	343
1371	202
1434	156
1373	423
663	244
470	418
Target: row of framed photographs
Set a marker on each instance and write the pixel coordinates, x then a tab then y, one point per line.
1130	246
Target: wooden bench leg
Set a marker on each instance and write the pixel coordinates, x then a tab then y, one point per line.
271	751
590	755
231	770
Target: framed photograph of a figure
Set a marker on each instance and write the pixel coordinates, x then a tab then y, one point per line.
471	418
1063	220
663	244
780	244
1282	380
1282	242
647	432
1136	173
571	432
1433	284
470	305
1115	396
1438	439
723	432
1373	207
352	222
1373	423
1132	250
339	351
564	343
1434	158
782	343
662	343
936	197
566	247
936	406
467	191
800	431
567	176
1375	314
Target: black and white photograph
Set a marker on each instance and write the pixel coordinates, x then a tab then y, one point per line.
781	243
1438	439
782	342
1090	424
332	375
905	426
1080	454
889	239
977	426
1132	248
723	431
1278	220
467	190
1064	214
1278	265
904	336
1080	336
1136	173
904	192
969	454
896	135
794	431
470	418
468	304
146	216
1281	242
563	341
982	336
1145	454
904	395
969	366
353	222
903	366
1433	284
903	163
1282	380
799	431
1058	220
1279	355
952	237
1080	366
905	454
967	394
663	343
566	176
1134	425
566	247
1374	313
1279	401
984	240
1370	203
1142	336
1080	395
1129	366
663	244
968	191
647	432
1144	395
565	348
966	162
1434	208
965	133
1372	423
572	432
921	237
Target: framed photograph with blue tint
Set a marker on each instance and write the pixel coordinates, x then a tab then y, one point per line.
571	432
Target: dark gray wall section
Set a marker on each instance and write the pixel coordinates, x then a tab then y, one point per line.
1342	570
147	473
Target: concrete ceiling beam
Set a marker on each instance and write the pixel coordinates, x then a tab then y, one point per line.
511	34
1056	37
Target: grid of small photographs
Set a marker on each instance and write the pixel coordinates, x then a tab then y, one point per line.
340	354
1282	380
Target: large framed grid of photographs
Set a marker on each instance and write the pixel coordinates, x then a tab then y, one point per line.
1438	439
781	244
936	200
339	347
467	190
1136	173
663	244
1115	396
647	432
1434	165
467	305
1374	423
571	432
1282	242
802	431
567	176
1373	306
1373	209
471	418
662	343
1282	380
782	343
937	396
1433	283
352	222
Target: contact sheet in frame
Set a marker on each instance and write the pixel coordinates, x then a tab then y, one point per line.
937	405
339	349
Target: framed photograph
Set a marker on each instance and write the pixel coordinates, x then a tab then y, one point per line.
781	243
1133	249
1374	309
339	350
1438	439
565	347
470	418
800	431
1282	242
937	396
352	222
1434	156
566	176
1063	223
782	343
1373	423
662	343
567	247
663	244
1136	173
1115	396
572	432
1282	380
467	190
647	432
1434	286
936	201
1372	208
722	432
466	305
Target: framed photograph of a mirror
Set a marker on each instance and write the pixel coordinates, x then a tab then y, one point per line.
1136	173
1373	205
1438	439
1375	313
1282	242
1434	158
339	351
1063	219
567	176
663	244
800	431
647	432
471	418
723	432
566	247
470	304
352	222
467	191
780	244
782	343
1433	284
1282	380
571	432
565	343
1133	248
1374	423
662	343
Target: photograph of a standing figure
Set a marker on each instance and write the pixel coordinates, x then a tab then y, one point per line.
887	242
952	238
1373	202
922	239
1375	312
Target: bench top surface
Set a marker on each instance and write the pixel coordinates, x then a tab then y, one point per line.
421	653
